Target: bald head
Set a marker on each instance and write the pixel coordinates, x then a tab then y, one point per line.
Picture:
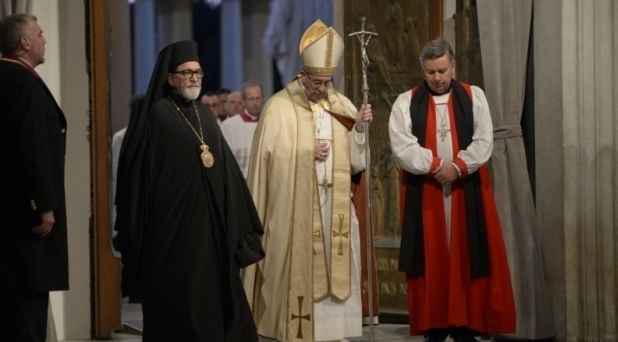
234	104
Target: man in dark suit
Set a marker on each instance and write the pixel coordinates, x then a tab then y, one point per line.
33	227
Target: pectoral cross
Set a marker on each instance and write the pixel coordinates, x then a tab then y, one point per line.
442	131
325	183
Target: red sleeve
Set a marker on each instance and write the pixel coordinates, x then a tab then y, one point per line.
462	166
434	164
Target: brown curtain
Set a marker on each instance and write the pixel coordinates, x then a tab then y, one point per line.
8	7
504	29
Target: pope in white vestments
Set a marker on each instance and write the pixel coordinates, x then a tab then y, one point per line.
308	143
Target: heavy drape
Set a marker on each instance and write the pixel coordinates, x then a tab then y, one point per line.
504	29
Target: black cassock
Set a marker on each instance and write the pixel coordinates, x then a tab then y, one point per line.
186	229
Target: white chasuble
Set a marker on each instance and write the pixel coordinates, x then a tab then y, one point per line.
294	293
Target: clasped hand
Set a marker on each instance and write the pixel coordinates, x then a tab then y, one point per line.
446	173
322	149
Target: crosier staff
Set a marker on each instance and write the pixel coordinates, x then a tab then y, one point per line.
364	37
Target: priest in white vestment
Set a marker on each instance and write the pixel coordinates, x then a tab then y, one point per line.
239	129
309	141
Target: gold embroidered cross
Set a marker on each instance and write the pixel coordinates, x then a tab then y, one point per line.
317	233
340	235
300	317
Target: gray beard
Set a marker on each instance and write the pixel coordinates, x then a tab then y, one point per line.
191	93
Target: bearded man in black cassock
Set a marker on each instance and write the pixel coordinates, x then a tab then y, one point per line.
186	219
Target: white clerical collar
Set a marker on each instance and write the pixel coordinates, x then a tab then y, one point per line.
442	98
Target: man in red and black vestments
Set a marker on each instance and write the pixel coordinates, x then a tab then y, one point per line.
452	249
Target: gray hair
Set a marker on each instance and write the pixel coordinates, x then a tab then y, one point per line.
12	28
435	49
250	84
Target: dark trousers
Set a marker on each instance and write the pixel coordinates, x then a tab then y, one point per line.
23	316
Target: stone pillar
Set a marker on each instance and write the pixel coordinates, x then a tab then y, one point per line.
74	321
175	22
339	26
257	64
576	64
232	74
145	47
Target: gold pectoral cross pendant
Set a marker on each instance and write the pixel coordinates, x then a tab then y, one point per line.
207	159
442	131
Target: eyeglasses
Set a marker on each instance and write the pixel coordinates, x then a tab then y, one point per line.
315	84
188	74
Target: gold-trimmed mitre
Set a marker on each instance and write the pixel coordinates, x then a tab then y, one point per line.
320	49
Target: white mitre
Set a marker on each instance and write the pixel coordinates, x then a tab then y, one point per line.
320	49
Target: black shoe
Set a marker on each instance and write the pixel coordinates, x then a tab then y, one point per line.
465	339
431	339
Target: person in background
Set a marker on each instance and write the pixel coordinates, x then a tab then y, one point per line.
33	220
212	101
234	104
441	134
128	283
287	21
134	103
223	93
239	129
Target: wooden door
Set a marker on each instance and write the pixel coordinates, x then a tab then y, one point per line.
105	268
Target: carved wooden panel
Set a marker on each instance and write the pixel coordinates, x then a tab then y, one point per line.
403	27
468	47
